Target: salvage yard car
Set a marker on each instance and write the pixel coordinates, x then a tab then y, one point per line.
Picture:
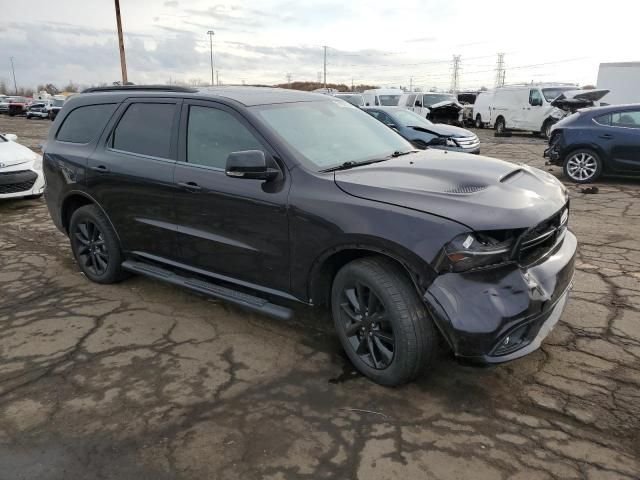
424	134
20	169
437	107
265	197
597	141
38	110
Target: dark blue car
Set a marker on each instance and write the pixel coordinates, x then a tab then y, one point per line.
597	141
422	133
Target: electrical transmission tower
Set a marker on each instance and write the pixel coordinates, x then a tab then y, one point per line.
289	77
455	74
500	71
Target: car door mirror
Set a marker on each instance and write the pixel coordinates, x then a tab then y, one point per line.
11	137
251	164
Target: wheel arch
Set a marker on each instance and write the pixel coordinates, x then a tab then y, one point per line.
73	201
327	265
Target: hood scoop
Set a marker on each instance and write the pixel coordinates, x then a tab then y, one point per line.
467	189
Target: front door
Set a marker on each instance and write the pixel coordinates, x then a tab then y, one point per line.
624	139
228	226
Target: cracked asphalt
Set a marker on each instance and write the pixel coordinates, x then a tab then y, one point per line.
141	380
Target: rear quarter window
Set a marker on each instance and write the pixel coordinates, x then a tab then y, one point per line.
84	124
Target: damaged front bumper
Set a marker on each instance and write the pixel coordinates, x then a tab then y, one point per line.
500	314
554	151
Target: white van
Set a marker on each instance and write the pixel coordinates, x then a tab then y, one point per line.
385	97
434	106
529	107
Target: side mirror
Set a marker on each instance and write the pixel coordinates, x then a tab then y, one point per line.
251	164
11	137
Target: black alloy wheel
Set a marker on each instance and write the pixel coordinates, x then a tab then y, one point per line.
91	248
366	325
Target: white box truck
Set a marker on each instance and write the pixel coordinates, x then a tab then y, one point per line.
623	79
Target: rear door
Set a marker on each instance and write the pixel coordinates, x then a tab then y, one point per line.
130	174
620	136
228	226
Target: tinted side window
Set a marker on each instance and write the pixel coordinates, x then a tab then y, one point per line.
629	119
85	123
213	134
145	128
535	97
604	119
419	101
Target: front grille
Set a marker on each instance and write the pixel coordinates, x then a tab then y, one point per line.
536	242
16	187
468	142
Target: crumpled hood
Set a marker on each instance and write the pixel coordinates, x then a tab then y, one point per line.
446	130
480	192
579	98
12	153
446	103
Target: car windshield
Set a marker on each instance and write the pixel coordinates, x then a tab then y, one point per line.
327	134
553	93
432	99
407	118
389	100
356	100
58	103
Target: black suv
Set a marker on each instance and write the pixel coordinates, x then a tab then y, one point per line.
264	197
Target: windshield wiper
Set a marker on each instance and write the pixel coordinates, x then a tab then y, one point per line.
351	163
398	153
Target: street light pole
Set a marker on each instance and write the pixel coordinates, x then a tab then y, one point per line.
13	72
210	33
123	60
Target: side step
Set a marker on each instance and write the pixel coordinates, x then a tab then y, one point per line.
236	297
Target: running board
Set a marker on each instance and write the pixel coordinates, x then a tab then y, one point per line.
236	297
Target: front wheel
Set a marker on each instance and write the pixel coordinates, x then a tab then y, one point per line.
583	166
382	323
500	125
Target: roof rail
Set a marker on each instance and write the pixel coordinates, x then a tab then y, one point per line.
155	88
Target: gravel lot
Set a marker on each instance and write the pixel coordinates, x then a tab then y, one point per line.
142	380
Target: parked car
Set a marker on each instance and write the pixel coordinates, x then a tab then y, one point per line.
4	104
597	141
437	107
273	196
354	99
422	133
18	106
38	110
467	99
56	104
20	169
387	97
534	108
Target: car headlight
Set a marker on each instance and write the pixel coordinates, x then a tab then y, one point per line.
37	162
474	250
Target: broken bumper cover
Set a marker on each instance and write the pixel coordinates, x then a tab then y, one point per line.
497	315
554	151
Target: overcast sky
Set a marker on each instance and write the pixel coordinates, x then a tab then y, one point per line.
261	41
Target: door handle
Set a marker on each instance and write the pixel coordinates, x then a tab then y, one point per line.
192	186
100	169
606	136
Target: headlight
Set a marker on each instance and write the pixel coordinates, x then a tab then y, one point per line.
37	162
473	250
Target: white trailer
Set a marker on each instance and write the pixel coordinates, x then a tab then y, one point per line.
623	81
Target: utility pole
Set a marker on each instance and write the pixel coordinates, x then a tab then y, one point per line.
210	33
455	75
217	78
325	67
123	60
352	84
13	72
289	77
410	84
500	70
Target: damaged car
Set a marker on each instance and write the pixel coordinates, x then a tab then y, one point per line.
267	198
424	134
437	107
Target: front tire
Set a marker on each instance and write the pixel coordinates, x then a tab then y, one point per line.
95	245
501	127
582	166
381	321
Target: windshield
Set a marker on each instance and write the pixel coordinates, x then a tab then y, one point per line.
356	100
407	118
553	93
328	134
389	100
58	103
432	99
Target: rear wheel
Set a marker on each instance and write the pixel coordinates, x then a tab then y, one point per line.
95	245
500	125
479	123
382	323
583	166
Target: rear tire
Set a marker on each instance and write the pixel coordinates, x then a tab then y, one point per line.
582	166
501	127
381	321
95	245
